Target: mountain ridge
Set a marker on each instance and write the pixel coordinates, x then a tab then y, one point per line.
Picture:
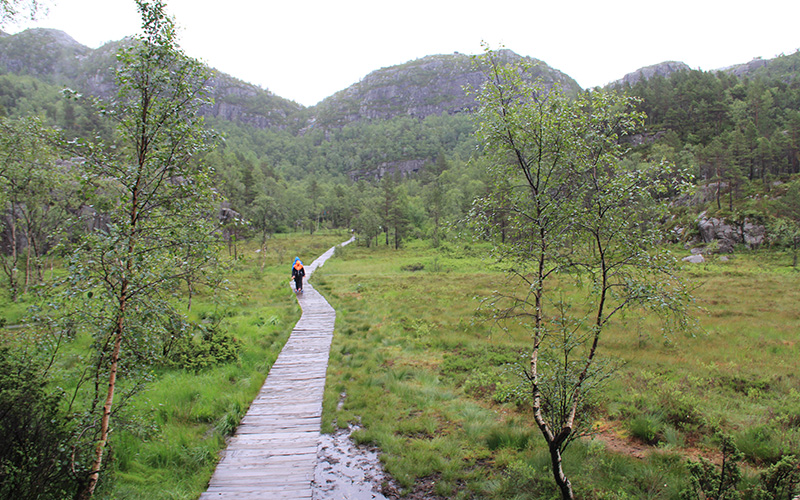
430	85
426	86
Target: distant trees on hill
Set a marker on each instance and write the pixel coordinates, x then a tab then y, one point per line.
739	136
736	128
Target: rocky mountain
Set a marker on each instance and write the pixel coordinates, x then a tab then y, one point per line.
664	69
50	55
786	66
432	85
749	68
54	57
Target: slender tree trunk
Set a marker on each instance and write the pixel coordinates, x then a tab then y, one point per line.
730	196
27	267
12	271
563	483
87	489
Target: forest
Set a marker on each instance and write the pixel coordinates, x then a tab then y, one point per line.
143	243
738	136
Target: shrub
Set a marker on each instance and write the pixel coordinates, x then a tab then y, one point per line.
196	352
682	409
523	476
709	481
647	428
780	481
35	434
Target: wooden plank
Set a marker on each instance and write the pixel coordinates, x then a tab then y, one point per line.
274	451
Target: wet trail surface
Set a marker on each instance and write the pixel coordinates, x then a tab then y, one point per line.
278	451
345	470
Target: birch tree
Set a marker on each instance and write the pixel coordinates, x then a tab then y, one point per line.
126	277
34	196
578	242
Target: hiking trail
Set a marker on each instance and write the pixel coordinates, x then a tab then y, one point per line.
273	453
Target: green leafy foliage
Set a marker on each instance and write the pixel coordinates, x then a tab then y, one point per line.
563	207
205	346
35	431
781	481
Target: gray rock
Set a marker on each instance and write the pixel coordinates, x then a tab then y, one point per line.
694	259
727	235
664	69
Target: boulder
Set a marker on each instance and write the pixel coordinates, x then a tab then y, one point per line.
727	235
694	259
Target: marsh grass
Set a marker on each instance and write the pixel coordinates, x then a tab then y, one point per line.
419	365
184	417
167	439
426	374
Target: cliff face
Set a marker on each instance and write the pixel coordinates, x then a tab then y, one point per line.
241	102
664	69
433	85
54	57
746	69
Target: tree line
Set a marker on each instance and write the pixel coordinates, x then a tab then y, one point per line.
735	130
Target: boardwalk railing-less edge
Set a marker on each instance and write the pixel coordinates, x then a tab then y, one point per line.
274	451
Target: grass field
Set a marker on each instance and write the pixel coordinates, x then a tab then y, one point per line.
166	440
432	384
185	416
420	367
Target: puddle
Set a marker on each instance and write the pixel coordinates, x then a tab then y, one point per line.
345	471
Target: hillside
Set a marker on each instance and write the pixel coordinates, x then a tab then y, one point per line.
664	69
396	119
429	86
432	85
55	58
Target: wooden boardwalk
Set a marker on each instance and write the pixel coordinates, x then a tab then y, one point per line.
274	451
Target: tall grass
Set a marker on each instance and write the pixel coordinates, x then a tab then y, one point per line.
167	440
421	368
187	416
427	375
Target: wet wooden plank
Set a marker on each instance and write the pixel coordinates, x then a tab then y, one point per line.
274	451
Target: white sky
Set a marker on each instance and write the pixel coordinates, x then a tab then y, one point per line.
308	50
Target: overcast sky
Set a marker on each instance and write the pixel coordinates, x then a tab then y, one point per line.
308	50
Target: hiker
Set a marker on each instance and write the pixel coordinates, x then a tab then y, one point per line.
297	273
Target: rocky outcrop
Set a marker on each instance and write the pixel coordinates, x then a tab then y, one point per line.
664	69
726	235
56	58
694	259
741	70
390	168
238	101
432	85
